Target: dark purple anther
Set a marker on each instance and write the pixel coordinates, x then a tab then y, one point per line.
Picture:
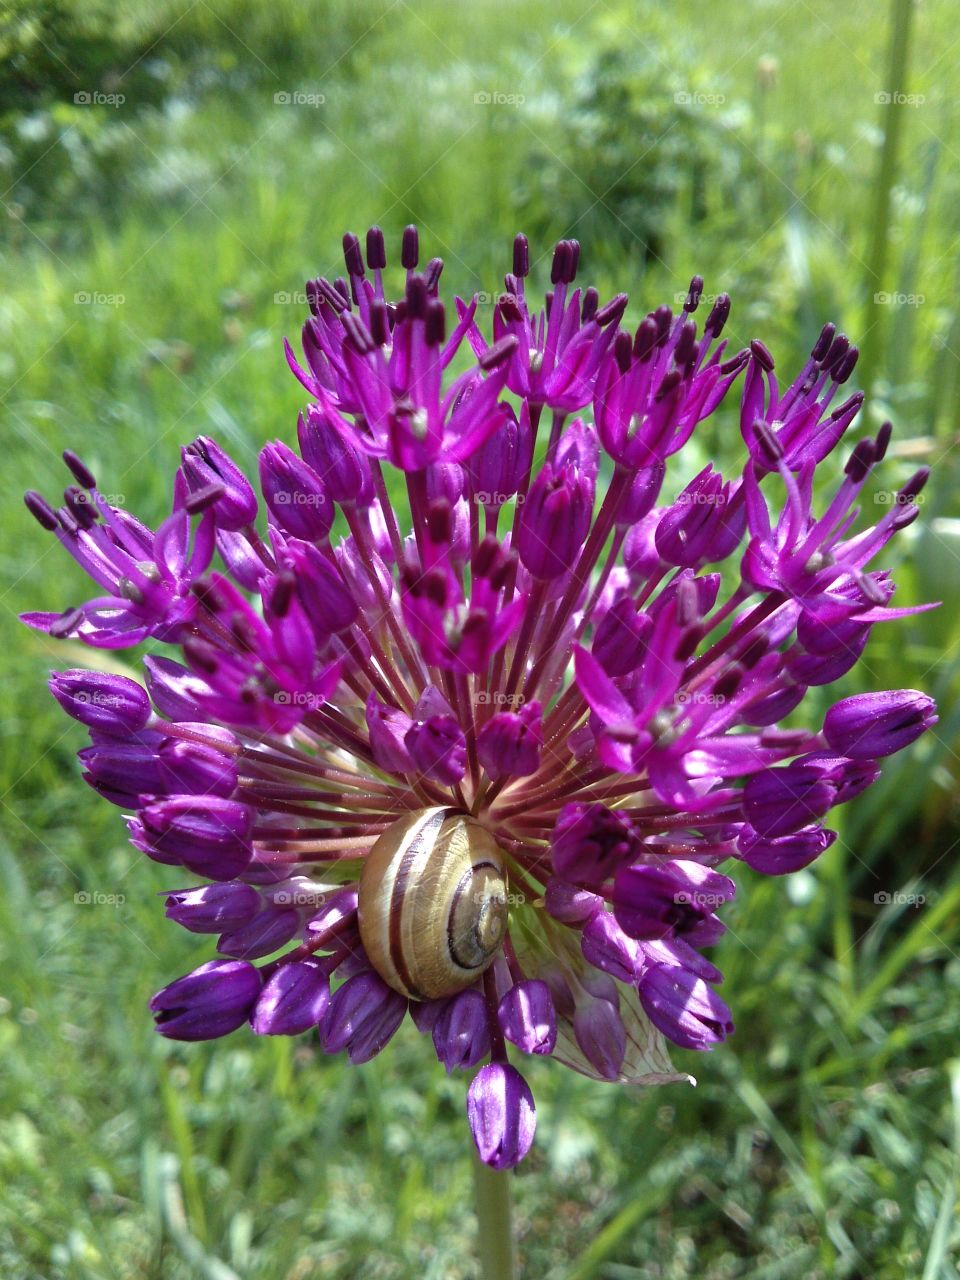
498	353
882	442
719	314
432	274
41	510
352	256
435	327
761	354
914	486
693	295
376	251
845	365
621	351
838	349
770	446
822	344
81	472
612	312
645	339
858	465
521	256
410	248
589	305
686	344
80	506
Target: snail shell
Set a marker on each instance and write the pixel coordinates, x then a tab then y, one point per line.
433	903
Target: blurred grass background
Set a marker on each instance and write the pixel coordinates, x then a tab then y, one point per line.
152	252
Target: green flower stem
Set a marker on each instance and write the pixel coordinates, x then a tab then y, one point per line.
894	114
494	1222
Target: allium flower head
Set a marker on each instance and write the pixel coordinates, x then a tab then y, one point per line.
459	722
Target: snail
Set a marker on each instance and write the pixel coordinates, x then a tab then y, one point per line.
433	903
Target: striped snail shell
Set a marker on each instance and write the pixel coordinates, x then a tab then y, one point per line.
433	903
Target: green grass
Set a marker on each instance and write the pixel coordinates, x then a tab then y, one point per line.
823	1140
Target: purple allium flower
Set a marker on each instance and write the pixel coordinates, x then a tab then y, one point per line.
457	725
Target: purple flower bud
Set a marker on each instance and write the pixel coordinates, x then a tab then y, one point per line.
209	835
461	1032
214	908
325	596
502	1116
871	725
293	1000
110	703
361	1017
644	491
779	801
601	1035
353	567
683	1007
388	729
511	742
704	524
579	447
498	468
337	916
270	929
241	559
620	642
295	494
640	554
590	842
123	771
554	522
197	768
341	466
667	898
435	740
783	854
570	904
211	1001
527	1016
605	945
176	691
205	464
